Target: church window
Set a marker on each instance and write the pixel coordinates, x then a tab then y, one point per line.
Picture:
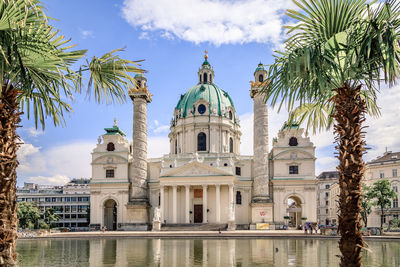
110	173
201	142
238	171
210	78
238	198
205	78
225	164
293	141
294	169
159	199
201	109
110	147
230	115
260	78
230	145
176	146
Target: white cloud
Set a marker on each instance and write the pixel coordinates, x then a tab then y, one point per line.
86	34
161	129
33	132
52	180
215	21
68	160
157	146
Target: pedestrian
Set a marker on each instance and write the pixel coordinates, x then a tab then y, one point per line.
311	228
305	228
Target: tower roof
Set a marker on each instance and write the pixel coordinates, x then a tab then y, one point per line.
260	67
114	130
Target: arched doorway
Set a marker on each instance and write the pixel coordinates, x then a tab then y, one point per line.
294	211
110	214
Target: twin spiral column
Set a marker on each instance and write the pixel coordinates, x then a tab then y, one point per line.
140	97
260	147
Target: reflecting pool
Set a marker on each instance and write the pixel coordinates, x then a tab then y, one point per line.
197	252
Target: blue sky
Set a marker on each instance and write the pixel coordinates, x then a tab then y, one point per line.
171	37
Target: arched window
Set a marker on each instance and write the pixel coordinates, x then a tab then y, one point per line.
205	78
110	147
238	198
260	78
201	142
293	141
210	78
230	145
230	115
176	146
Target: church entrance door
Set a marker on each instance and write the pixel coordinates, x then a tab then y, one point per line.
110	215
198	213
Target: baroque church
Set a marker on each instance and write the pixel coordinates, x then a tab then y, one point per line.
204	179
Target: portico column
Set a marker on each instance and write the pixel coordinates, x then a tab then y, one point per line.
217	203
231	204
162	203
174	203
204	203
187	202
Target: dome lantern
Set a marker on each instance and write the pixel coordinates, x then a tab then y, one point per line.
206	73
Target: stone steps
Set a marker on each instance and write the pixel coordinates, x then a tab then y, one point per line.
194	227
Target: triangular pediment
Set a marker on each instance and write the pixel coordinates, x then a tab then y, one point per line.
198	169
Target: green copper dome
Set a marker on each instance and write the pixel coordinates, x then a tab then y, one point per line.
219	99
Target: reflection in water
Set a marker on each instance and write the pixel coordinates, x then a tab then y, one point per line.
196	252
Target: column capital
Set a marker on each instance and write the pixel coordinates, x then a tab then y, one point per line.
205	185
141	92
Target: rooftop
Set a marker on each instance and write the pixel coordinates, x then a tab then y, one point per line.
329	174
387	157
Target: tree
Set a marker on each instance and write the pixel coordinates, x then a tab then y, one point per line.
36	77
382	193
366	205
28	215
333	63
50	217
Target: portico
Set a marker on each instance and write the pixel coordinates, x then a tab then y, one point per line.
180	202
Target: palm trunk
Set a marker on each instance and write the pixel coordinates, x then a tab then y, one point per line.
349	116
9	118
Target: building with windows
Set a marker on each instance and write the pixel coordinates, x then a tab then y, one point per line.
325	181
70	202
384	167
204	179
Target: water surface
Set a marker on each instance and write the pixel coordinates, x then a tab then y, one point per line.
197	252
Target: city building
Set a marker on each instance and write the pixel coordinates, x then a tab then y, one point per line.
384	167
204	179
325	181
333	207
70	202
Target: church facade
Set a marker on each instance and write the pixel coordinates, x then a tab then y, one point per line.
204	179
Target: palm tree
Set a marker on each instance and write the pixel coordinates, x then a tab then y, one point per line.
331	68
36	78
